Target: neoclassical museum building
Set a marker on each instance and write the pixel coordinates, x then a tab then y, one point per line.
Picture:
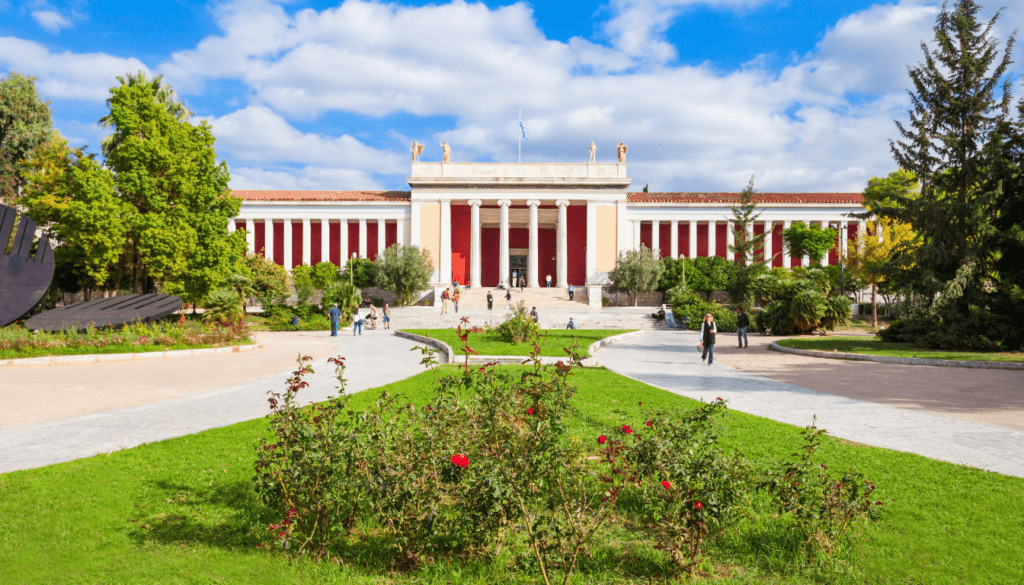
482	221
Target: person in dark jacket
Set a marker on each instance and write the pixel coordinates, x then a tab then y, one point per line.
490	300
708	330
742	322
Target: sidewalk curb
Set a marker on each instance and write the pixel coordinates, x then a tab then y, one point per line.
449	354
861	357
94	358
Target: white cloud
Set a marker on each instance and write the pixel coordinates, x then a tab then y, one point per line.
84	76
306	178
51	20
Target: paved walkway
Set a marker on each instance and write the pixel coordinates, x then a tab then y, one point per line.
669	360
373	359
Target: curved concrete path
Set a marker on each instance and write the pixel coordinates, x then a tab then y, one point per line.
669	360
373	359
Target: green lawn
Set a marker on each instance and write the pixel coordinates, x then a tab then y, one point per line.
871	345
13	354
183	511
552	341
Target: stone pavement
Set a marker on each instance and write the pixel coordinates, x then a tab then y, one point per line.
669	360
373	359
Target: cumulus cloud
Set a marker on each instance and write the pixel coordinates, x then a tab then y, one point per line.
51	20
304	178
84	76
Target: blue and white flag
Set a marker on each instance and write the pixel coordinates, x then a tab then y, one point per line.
521	124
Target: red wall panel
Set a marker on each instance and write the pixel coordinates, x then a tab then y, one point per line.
645	234
577	253
279	243
759	251
371	240
548	251
461	234
259	238
390	234
778	246
296	243
702	240
518	238
335	251
353	238
684	240
490	244
721	241
833	254
316	236
665	239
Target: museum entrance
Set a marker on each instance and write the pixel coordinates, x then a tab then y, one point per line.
517	263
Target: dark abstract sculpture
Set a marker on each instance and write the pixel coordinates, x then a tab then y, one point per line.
111	312
23	280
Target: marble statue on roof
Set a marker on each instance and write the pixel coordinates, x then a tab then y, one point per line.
593	151
621	149
417	148
447	152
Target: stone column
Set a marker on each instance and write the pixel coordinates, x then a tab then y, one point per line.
712	238
250	236
325	240
231	226
446	242
287	243
362	238
692	232
533	271
563	243
768	235
655	239
591	239
787	256
730	240
307	242
750	236
674	251
382	236
343	251
400	232
636	234
268	238
824	259
503	247
475	261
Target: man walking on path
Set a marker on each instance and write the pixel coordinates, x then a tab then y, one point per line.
742	322
334	313
570	292
357	323
508	300
455	299
444	301
522	283
490	300
708	330
548	279
534	314
387	316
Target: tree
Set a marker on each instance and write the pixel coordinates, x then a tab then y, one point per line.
747	243
362	272
883	192
25	124
162	93
180	204
708	274
269	280
947	147
302	281
868	257
809	240
324	275
404	270
636	271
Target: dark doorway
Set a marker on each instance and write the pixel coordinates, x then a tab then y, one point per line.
517	264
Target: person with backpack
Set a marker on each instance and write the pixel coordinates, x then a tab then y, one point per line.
490	300
508	300
444	301
742	322
708	330
455	299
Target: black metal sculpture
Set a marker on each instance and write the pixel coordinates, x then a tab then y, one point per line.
23	279
111	312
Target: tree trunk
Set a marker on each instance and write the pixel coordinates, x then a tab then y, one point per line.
874	307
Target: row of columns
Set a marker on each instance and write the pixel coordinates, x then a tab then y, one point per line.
325	243
731	237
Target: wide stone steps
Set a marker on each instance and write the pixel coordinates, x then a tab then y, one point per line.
429	318
549	298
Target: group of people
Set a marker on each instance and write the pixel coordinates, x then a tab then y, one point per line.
709	330
452	295
358	320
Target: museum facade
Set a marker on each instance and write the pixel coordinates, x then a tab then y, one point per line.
483	221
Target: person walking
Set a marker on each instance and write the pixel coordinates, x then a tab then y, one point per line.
548	279
508	300
357	323
708	330
570	292
522	283
387	316
455	299
742	322
490	300
444	301
334	313
534	314
515	279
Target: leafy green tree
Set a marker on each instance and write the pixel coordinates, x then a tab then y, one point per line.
636	271
345	295
868	257
809	240
708	274
884	192
948	146
162	93
269	280
25	124
674	274
745	214
324	275
404	270
241	285
302	281
362	272
167	171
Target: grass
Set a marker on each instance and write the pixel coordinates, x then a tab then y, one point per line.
183	511
11	354
872	346
551	344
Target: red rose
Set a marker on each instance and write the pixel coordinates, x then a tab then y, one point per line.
650	422
529	411
641	403
601	440
460	460
697	506
666	485
627	429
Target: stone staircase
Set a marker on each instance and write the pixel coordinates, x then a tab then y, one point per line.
542	298
550	318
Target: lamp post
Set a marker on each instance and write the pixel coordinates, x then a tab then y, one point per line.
842	273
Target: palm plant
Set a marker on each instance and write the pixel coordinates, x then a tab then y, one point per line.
222	306
162	93
241	285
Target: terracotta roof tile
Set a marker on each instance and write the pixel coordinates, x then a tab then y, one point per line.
267	195
855	198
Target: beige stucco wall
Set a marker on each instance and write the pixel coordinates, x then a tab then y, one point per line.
607	239
430	231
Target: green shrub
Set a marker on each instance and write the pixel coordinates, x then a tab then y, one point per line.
345	295
687	304
519	325
222	306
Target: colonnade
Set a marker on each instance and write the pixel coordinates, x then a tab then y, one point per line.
325	241
844	226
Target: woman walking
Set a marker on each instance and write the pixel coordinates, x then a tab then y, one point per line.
708	330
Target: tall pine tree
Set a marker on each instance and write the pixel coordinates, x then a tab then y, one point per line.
747	243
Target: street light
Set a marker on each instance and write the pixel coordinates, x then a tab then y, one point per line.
842	274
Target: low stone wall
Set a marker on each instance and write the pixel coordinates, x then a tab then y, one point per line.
861	357
448	355
61	360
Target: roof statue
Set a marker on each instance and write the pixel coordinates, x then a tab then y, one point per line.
621	149
593	151
447	152
24	276
417	148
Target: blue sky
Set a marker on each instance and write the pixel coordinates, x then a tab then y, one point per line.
311	94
